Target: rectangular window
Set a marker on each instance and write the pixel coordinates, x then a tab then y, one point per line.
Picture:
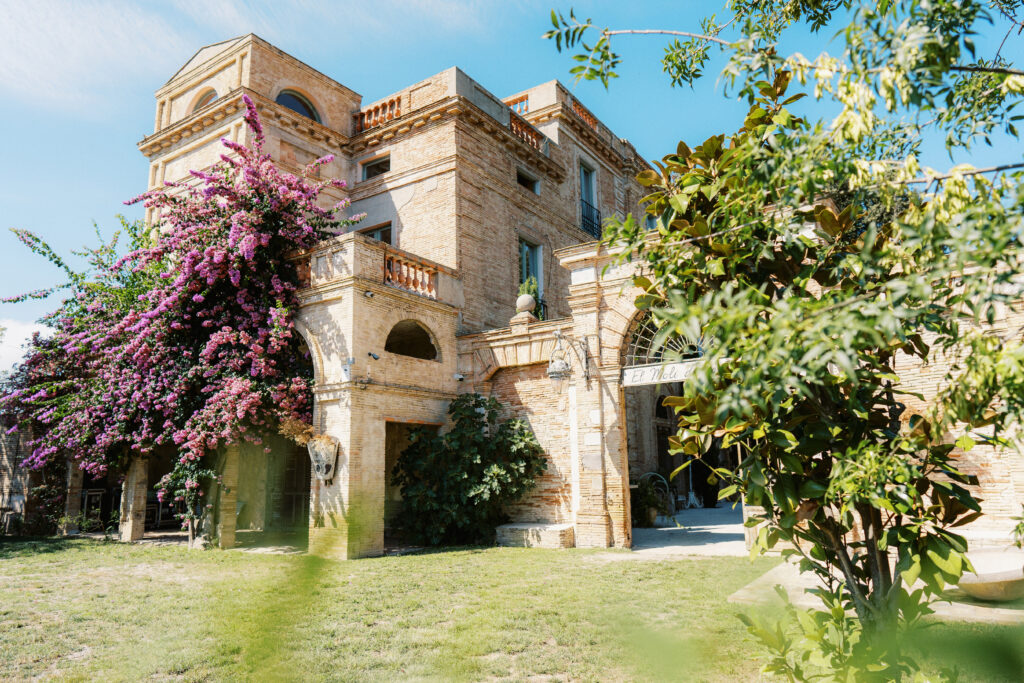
529	263
376	167
590	217
587	184
526	180
378	232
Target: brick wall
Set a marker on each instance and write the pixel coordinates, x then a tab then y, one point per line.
14	479
526	393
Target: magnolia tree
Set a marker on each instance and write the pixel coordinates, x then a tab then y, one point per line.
187	341
822	259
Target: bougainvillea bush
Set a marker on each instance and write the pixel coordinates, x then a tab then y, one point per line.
188	340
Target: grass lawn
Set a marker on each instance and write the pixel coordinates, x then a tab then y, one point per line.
81	609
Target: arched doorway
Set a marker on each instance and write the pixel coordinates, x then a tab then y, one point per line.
655	366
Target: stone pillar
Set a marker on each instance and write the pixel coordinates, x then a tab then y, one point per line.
72	499
133	500
227	513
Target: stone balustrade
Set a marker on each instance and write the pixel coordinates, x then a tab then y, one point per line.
520	105
409	273
356	256
584	114
525	132
377	115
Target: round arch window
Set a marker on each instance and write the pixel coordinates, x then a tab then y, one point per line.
298	104
409	338
205	99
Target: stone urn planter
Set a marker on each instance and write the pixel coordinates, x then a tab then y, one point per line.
997	577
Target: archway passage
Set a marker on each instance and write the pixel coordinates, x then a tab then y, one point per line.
690	519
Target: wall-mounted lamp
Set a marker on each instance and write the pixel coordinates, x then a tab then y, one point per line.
368	294
560	365
372	355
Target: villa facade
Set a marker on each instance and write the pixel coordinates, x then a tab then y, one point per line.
466	195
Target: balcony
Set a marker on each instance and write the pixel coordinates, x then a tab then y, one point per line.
377	115
521	128
590	219
404	271
353	256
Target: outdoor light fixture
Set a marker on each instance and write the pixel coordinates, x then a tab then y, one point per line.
560	365
372	355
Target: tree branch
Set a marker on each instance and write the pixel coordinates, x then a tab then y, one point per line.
975	171
988	70
685	34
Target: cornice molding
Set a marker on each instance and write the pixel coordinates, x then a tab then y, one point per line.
563	113
231	105
454	107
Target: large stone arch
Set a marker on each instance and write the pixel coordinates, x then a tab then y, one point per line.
316	354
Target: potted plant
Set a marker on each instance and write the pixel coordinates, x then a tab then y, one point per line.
646	504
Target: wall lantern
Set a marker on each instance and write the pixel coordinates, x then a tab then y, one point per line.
560	365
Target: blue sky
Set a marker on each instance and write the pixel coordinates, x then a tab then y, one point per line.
77	82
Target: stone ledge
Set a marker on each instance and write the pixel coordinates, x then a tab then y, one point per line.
524	535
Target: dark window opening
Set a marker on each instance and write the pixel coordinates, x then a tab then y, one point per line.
379	232
409	338
372	169
298	104
590	216
530	183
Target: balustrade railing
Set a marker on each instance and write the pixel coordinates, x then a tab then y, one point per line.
377	115
590	219
520	105
525	132
584	114
409	274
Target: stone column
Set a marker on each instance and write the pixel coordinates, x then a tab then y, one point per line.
72	499
133	500
227	513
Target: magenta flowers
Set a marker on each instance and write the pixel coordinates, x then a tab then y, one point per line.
188	340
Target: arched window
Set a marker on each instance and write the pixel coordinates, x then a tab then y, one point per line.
207	97
298	104
409	338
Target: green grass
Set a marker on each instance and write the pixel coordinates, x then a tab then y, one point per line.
79	609
88	610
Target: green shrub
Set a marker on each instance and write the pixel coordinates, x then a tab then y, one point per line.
455	486
641	499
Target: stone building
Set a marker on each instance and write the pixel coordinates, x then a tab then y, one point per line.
466	195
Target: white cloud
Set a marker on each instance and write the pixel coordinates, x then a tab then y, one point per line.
15	334
83	54
73	54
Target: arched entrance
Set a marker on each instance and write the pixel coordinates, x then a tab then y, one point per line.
655	366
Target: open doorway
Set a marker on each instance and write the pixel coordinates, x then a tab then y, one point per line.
663	497
396	440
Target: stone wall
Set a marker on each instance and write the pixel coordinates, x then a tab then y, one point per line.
14	479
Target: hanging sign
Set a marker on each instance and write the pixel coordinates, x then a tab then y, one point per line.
660	373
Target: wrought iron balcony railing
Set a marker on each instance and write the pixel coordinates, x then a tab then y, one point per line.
590	219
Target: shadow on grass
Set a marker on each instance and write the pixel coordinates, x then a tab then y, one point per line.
980	652
21	546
